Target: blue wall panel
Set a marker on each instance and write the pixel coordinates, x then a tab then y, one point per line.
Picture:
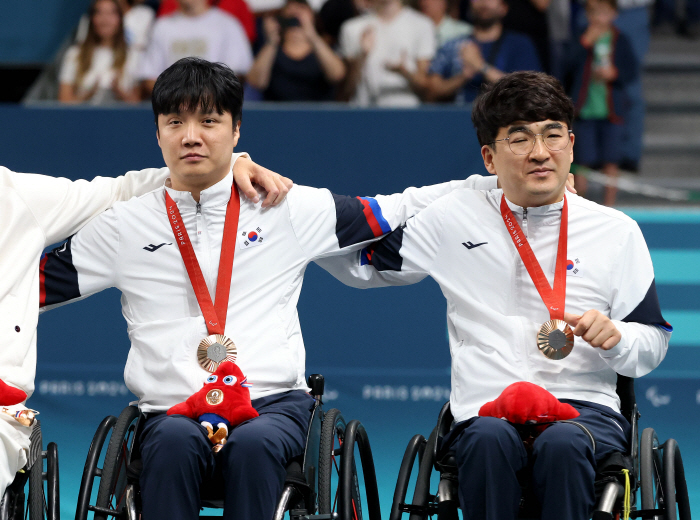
384	352
32	31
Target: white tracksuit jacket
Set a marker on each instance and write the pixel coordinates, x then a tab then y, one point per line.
131	247
35	212
494	310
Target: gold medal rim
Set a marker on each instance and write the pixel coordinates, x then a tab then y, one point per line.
208	364
543	339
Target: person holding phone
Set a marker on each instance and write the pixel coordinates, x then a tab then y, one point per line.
295	64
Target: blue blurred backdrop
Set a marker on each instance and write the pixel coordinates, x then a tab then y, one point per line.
383	352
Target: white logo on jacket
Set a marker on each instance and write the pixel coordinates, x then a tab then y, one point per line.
251	238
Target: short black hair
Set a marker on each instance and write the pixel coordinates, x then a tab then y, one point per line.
520	96
192	83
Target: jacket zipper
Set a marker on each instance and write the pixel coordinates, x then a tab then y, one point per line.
525	221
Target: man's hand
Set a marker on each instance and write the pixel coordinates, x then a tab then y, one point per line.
595	328
246	172
570	183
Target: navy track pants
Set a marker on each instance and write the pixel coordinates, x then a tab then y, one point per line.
250	469
490	454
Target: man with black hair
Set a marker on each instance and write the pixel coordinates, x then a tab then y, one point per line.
174	250
40	210
531	275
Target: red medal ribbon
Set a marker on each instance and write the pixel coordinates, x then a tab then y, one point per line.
553	297
214	314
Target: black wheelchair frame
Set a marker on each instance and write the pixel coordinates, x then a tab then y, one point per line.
42	497
655	469
321	485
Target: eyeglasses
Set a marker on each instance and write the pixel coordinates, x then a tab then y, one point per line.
522	142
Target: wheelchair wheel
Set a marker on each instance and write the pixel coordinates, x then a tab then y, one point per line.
415	449
53	501
110	494
674	477
90	471
332	436
349	501
663	484
35	504
329	477
421	493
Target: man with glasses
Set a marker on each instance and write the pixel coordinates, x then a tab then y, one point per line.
541	286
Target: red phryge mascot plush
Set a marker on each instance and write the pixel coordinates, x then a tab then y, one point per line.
527	403
223	401
10	395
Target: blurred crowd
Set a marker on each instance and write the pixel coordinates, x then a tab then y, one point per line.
368	52
382	53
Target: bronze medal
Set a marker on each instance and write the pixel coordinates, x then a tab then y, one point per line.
214	350
215	396
555	339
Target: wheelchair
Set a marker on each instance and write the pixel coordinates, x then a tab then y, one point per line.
42	499
323	484
655	469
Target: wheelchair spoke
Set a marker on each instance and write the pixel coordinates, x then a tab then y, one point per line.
659	487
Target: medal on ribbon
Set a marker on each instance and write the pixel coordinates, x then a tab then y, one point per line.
215	348
555	339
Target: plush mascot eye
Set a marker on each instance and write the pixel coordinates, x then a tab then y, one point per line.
229	380
212	379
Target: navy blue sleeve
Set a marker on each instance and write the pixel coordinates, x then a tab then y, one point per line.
648	312
358	219
384	255
58	278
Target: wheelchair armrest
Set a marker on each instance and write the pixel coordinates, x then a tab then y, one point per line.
316	382
444	425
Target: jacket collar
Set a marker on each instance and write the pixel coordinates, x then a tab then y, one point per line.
216	195
547	213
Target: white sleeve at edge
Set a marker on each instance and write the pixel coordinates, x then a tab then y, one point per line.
641	349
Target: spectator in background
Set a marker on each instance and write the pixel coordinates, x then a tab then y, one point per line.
461	66
237	8
138	20
602	63
388	52
559	23
195	30
530	17
447	27
295	64
632	21
334	13
524	16
101	69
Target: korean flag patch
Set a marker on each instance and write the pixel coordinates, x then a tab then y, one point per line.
574	267
251	238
